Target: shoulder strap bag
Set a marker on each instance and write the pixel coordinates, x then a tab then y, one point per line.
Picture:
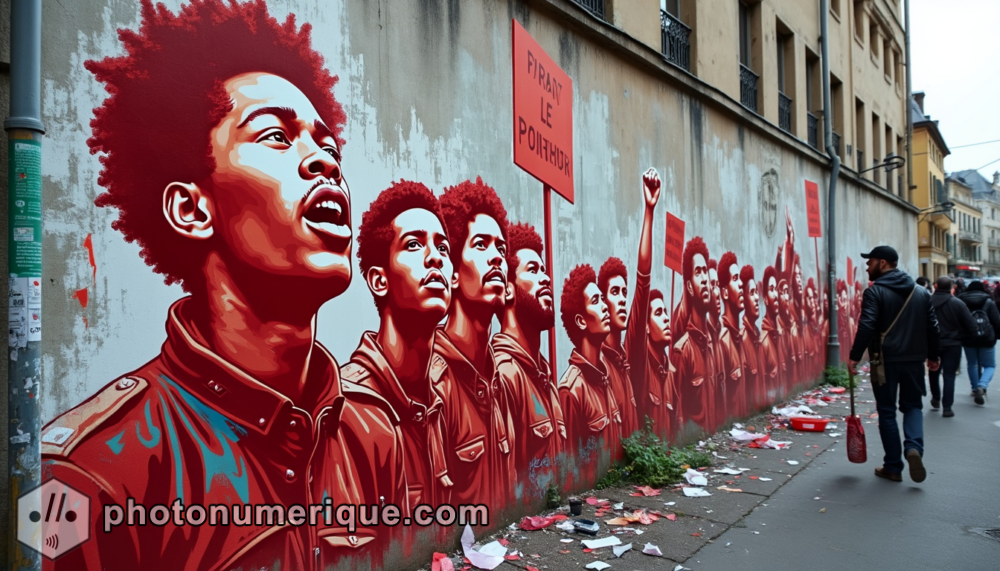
876	362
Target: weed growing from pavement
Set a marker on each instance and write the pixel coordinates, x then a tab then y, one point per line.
838	377
649	461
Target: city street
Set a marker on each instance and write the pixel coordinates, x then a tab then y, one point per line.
872	523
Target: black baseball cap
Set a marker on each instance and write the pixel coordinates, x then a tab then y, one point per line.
887	253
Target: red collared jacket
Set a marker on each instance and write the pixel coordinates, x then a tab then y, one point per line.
193	426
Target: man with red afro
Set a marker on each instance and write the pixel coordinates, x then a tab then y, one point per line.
773	357
789	341
627	359
524	373
593	417
660	372
754	387
813	332
405	260
731	340
694	353
221	152
477	417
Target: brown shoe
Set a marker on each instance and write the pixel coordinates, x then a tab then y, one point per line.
893	476
917	471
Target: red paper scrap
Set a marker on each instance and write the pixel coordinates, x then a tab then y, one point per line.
503	541
512	557
647	491
441	563
534	523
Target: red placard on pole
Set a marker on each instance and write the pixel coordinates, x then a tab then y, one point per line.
543	115
812	210
674	251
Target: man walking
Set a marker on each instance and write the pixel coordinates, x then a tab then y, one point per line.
897	322
956	324
979	350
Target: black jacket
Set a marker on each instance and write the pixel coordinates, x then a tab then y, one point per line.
915	335
976	300
954	317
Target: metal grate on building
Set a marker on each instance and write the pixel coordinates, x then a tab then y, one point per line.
675	41
748	88
784	112
595	7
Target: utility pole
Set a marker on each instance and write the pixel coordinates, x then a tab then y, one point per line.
24	259
832	343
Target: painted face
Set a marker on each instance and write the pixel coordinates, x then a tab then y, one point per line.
735	287
616	299
753	300
419	267
482	271
784	299
797	271
811	301
771	295
842	300
534	288
659	323
716	297
698	286
596	318
280	200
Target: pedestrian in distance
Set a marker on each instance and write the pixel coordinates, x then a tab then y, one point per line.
899	330
980	349
924	283
956	325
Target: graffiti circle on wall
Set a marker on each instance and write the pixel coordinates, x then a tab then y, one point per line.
768	198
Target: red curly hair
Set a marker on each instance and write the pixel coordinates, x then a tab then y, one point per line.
727	261
573	301
463	202
746	276
165	97
522	236
655	294
612	267
376	233
694	246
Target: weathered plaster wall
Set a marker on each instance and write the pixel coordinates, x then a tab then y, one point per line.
426	87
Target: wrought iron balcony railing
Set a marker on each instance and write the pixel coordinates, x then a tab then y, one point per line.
970	236
675	41
813	130
785	112
595	7
748	88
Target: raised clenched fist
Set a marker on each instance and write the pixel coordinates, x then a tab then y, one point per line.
651	187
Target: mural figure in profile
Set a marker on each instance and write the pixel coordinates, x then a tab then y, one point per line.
224	164
773	357
405	260
477	418
628	358
694	354
660	373
731	339
586	392
754	379
525	375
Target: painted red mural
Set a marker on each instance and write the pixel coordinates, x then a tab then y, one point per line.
235	189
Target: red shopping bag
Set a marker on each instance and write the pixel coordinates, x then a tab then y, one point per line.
857	449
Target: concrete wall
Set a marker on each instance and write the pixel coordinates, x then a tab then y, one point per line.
426	89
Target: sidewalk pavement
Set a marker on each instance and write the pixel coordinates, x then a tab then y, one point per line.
804	507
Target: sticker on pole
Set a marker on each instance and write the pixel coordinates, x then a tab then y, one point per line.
543	114
812	210
53	518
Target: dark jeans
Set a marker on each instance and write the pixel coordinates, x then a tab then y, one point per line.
951	357
907	380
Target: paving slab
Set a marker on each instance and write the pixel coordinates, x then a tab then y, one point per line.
724	507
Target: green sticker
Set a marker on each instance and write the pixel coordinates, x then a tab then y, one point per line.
25	208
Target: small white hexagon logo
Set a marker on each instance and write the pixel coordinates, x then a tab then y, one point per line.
53	518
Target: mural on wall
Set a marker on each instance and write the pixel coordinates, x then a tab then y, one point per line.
234	188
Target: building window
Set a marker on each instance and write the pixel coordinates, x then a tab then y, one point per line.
887	53
859	21
859	134
675	41
876	149
595	7
748	79
874	41
835	7
836	111
812	91
786	75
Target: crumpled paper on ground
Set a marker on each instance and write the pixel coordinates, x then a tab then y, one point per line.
646	491
696	493
792	411
651	549
621	549
442	563
767	442
603	542
638	516
489	556
744	436
695	478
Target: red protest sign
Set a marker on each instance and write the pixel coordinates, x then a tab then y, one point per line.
674	252
543	115
812	210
